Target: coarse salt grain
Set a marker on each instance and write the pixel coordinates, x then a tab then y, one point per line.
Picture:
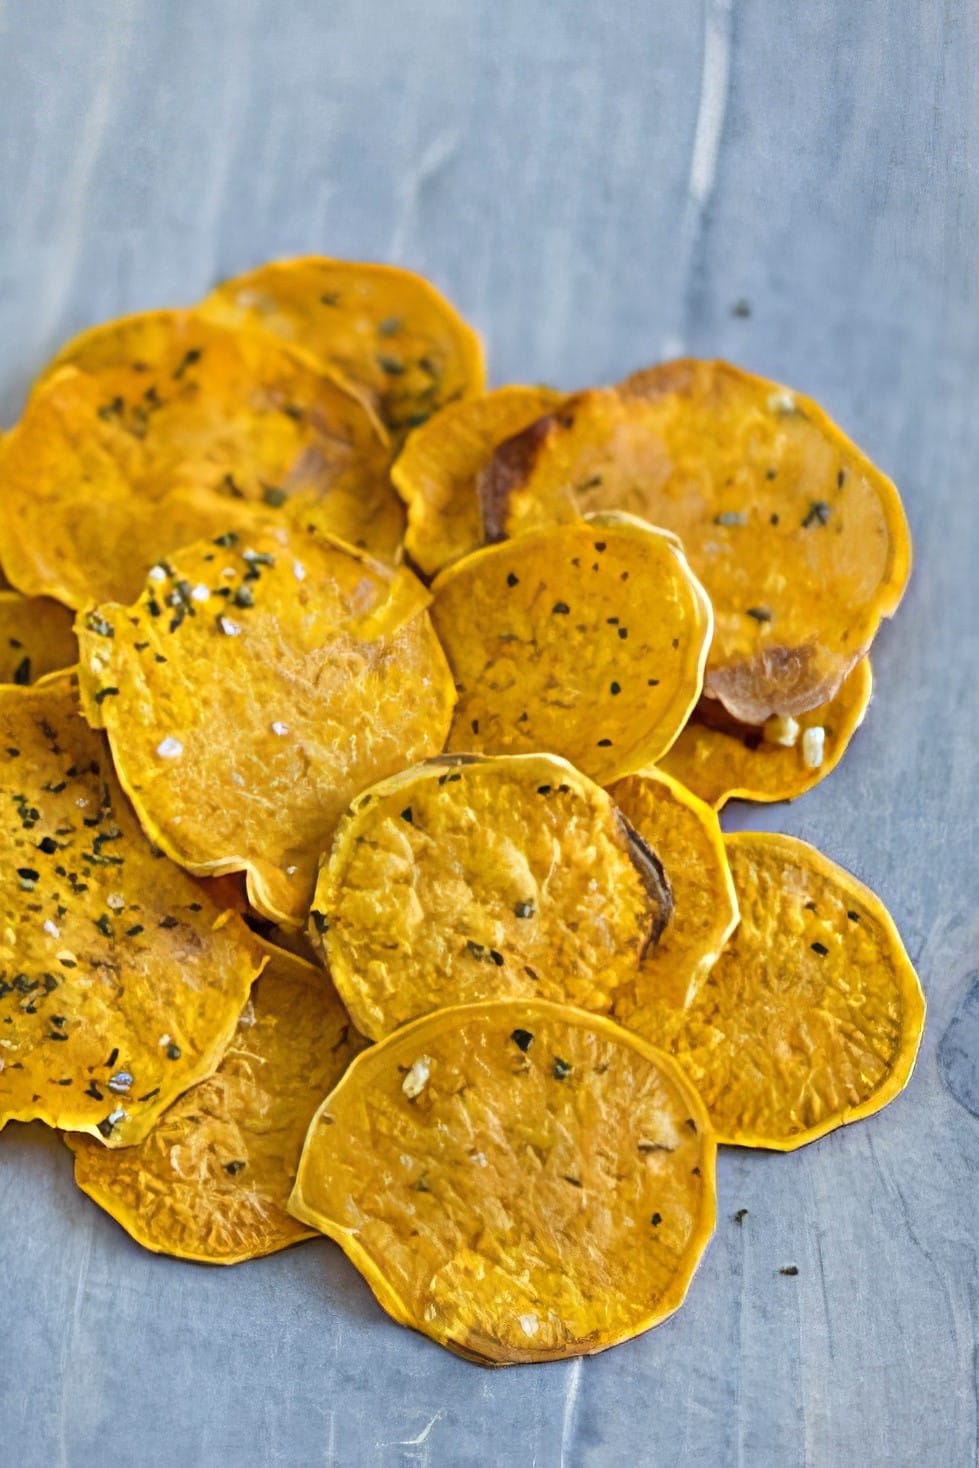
169	748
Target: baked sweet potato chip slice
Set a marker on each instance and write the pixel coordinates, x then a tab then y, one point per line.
519	1180
722	759
212	1179
438	470
253	689
686	836
586	639
470	879
800	541
121	980
206	429
812	1016
36	638
387	330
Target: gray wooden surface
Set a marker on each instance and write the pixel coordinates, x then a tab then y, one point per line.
597	185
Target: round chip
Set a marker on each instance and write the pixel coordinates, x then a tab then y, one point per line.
686	836
812	1016
521	1181
468	879
121	979
212	1180
185	429
253	689
36	638
437	472
724	760
387	330
799	540
587	639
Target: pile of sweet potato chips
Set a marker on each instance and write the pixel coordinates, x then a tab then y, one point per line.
363	737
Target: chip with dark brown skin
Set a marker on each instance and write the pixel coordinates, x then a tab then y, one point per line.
121	978
388	331
466	879
521	1181
212	1179
437	472
800	541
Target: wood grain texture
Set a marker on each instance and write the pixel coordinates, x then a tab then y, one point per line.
596	186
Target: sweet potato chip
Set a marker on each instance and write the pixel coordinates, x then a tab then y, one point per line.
812	1016
469	879
800	541
586	639
36	638
206	429
686	836
253	689
121	980
386	330
212	1179
722	759
519	1180
436	473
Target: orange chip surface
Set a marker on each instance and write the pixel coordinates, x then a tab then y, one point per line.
521	1181
812	1016
253	689
587	639
196	430
387	330
212	1179
438	470
724	760
36	637
468	879
121	979
686	837
800	542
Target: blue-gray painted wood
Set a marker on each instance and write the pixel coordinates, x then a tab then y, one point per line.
596	186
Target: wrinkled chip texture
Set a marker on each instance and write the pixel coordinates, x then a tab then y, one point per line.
207	429
253	689
519	1180
586	639
36	638
812	1016
686	837
724	760
212	1179
800	541
388	331
464	880
121	979
437	473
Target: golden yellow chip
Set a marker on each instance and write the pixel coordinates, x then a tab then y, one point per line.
121	980
212	1179
800	541
253	689
386	330
724	760
208	430
812	1016
588	640
437	472
521	1181
469	879
686	837
36	638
